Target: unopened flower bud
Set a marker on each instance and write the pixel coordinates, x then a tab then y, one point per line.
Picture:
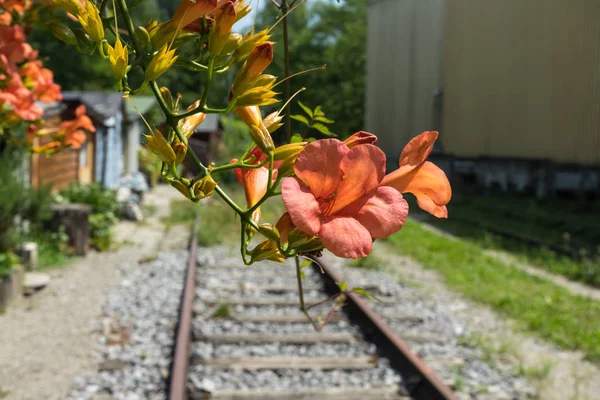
204	187
232	43
160	63
85	43
219	34
262	138
191	10
258	60
63	32
142	35
166	94
288	154
118	57
269	231
182	187
266	250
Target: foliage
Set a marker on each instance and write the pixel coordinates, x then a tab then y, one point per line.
476	217
541	307
7	262
325	32
314	119
104	210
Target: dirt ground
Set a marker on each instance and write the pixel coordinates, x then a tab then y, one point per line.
46	340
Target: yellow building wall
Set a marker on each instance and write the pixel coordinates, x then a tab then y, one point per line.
522	79
404	55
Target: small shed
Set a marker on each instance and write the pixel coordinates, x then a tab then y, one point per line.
108	154
206	141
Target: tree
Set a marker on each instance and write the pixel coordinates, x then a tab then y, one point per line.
325	32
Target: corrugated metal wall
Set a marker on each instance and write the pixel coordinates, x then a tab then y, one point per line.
404	51
522	79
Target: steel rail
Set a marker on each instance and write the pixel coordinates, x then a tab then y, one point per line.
420	381
183	337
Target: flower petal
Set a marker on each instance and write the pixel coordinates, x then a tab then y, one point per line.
427	182
363	168
384	213
361	137
346	237
255	184
417	151
285	226
301	205
318	165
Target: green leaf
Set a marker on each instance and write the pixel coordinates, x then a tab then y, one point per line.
318	112
302	275
296	138
342	285
363	292
323	129
305	264
300	118
324	120
307	110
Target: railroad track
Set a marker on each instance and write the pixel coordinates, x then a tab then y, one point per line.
242	336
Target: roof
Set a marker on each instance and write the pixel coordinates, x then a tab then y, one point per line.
142	103
105	104
210	124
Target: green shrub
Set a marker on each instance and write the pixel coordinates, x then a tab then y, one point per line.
104	210
7	262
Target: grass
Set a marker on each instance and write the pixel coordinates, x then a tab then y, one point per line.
223	311
219	224
540	307
371	262
574	229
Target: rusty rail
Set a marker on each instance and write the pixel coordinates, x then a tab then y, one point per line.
180	364
420	380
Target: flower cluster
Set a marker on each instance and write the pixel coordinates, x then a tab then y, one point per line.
337	193
24	82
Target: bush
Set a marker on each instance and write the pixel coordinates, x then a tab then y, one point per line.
7	262
104	210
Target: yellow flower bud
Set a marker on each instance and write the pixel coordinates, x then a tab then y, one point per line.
289	150
182	188
204	187
160	63
166	94
189	124
266	250
142	35
260	135
231	44
250	41
158	145
269	231
91	22
118	57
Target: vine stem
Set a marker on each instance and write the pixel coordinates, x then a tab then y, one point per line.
284	7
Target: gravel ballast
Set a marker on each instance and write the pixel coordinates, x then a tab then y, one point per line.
136	333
